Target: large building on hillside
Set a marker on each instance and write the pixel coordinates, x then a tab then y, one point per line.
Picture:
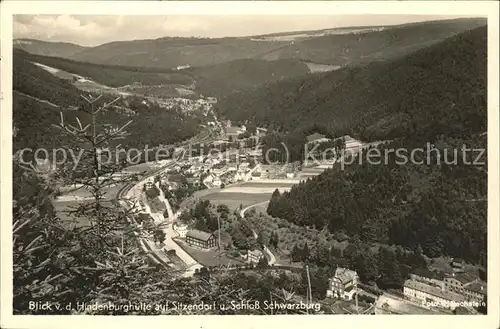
465	284
200	239
427	276
343	284
431	295
468	286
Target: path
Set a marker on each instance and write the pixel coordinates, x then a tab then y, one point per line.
190	262
272	259
169	243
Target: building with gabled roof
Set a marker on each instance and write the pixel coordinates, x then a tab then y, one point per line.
343	284
432	295
254	256
200	239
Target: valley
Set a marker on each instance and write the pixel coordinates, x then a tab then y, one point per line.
300	161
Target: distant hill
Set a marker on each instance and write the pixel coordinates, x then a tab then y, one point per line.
38	47
379	100
381	44
213	80
330	46
39	97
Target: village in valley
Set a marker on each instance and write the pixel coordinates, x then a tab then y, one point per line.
239	171
246	173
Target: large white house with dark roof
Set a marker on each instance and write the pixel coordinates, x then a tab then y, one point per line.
431	295
343	284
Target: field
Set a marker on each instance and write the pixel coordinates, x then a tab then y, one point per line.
244	194
234	200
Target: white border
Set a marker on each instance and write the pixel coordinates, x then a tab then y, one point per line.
468	8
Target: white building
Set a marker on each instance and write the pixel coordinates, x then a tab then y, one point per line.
217	182
181	229
431	295
254	256
343	284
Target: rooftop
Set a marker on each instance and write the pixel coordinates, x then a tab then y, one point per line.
255	252
199	235
314	137
143	217
477	286
464	278
426	273
233	130
434	291
345	275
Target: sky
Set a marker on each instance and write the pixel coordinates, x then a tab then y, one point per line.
92	30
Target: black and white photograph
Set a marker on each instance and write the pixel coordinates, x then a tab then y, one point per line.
276	162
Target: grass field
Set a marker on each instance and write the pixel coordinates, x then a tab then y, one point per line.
234	200
244	194
264	185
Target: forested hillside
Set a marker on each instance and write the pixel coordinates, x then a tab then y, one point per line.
222	79
436	88
110	75
39	97
436	96
214	80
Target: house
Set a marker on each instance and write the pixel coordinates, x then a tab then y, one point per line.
256	175
194	181
475	292
149	185
181	229
219	142
232	133
217	182
254	256
209	179
457	281
467	285
431	295
457	264
427	276
316	138
200	239
343	284
218	169
232	166
237	177
261	131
